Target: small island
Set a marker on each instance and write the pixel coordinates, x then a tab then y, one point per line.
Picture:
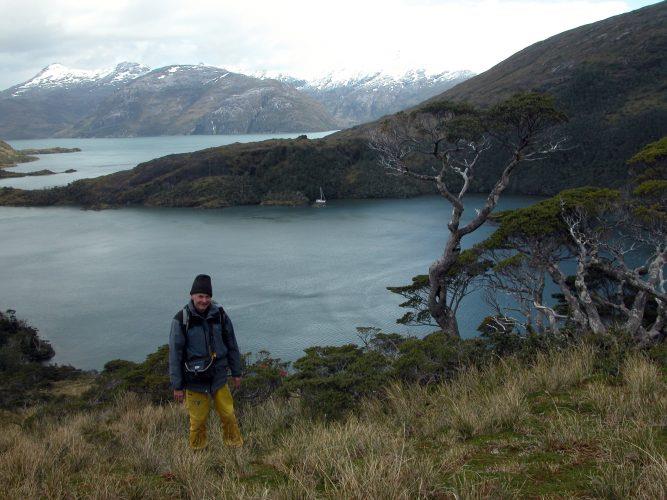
48	151
4	174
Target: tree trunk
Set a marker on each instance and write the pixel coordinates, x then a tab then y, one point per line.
538	295
572	302
441	312
594	321
657	330
636	314
437	298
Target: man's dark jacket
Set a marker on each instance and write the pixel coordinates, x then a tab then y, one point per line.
228	356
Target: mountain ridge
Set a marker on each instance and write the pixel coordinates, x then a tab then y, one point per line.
58	75
353	100
198	99
109	99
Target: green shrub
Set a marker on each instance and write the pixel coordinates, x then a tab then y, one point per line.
25	379
260	378
331	380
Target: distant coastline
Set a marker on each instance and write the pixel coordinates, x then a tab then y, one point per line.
4	174
48	151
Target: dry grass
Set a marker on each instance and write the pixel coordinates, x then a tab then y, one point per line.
356	459
476	437
559	370
71	388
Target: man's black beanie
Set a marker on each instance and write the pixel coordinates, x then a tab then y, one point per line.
202	284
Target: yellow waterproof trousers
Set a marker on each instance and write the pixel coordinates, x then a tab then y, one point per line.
198	408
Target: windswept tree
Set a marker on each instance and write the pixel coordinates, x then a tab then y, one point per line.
522	278
444	143
462	278
617	244
533	242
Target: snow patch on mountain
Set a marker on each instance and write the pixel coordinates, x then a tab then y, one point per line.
344	78
128	71
354	97
60	76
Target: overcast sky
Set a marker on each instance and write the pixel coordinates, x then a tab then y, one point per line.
302	38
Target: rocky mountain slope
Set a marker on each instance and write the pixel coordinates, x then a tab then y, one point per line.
199	99
58	97
609	77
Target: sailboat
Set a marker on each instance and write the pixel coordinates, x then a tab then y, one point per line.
321	201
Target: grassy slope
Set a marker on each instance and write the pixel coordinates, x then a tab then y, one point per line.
558	429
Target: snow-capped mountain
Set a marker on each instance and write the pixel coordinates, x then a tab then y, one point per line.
57	97
354	98
377	79
57	76
199	99
131	99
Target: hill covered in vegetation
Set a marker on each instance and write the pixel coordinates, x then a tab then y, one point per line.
500	416
608	77
276	171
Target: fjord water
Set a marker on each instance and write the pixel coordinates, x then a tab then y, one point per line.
104	285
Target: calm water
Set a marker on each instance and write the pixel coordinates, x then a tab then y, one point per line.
104	285
105	156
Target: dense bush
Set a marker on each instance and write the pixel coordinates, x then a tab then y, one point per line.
261	377
149	378
330	380
24	376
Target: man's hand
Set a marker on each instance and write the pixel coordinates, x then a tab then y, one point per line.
179	396
237	382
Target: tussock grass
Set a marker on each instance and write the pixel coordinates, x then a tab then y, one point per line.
473	409
471	485
356	459
553	429
641	473
559	370
642	378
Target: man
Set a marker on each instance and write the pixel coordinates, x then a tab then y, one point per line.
202	348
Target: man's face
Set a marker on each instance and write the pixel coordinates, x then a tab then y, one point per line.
201	301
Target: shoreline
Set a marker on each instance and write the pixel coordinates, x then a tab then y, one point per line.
208	207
